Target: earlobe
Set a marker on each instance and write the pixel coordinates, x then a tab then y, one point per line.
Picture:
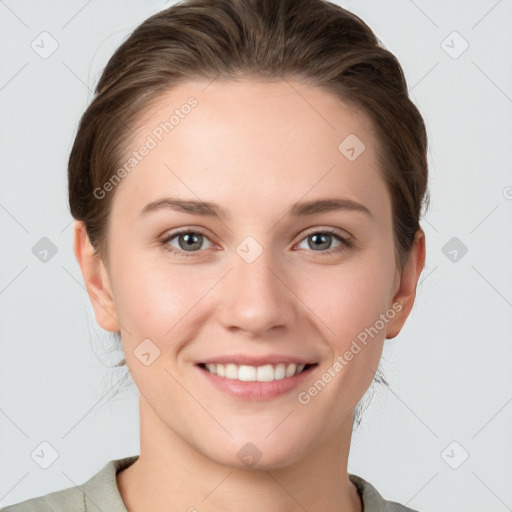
408	281
95	279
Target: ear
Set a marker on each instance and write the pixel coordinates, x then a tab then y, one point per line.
407	282
95	279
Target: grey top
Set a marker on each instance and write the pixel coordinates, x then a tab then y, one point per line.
100	494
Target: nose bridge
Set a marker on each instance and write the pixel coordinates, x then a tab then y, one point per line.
254	296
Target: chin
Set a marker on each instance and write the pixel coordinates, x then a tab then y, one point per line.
258	455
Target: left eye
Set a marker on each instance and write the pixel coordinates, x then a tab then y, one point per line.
191	242
323	239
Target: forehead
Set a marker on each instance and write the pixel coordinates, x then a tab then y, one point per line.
256	103
254	138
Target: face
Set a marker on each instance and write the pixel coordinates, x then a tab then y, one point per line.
260	273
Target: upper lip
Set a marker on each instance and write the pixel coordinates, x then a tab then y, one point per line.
245	359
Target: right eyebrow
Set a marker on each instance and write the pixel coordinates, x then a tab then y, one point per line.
202	208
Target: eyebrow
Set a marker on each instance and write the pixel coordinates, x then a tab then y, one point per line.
299	209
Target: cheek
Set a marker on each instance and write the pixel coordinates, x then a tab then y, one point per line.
347	300
155	309
151	298
348	306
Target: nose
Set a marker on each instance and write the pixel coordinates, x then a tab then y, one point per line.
257	296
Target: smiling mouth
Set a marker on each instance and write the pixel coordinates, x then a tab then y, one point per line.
264	373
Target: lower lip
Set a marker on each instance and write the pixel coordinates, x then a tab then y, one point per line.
254	390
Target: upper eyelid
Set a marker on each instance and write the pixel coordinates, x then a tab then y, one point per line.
330	230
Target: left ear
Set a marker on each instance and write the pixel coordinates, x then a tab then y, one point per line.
408	280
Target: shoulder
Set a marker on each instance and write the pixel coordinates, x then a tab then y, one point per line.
68	499
98	494
373	501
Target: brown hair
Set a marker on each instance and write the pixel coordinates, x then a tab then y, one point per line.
314	41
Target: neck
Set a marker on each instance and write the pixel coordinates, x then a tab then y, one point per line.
172	474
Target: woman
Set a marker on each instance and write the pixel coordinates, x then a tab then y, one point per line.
247	185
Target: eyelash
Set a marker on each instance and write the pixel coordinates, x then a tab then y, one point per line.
345	243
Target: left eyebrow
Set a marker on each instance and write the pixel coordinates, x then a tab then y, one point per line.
299	209
327	205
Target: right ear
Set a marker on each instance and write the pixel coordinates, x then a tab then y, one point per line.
95	279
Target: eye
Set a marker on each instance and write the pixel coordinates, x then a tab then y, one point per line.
188	241
323	239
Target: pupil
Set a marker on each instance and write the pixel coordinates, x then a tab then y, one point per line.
323	236
191	239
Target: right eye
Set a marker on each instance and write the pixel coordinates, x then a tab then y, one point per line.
187	239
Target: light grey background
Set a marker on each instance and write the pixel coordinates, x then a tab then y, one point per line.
449	369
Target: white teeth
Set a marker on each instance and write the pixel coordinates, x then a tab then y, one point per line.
212	368
290	370
280	371
231	371
266	373
246	373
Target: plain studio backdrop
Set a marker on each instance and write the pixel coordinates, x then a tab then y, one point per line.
440	438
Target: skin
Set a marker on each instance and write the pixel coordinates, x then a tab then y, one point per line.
254	148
